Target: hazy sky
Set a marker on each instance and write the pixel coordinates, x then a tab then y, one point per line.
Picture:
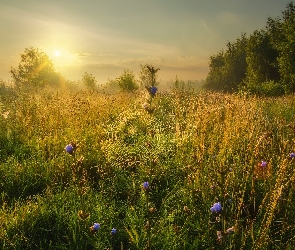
104	37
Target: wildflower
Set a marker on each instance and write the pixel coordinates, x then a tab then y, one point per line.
153	90
113	231
146	185
262	170
292	155
216	208
95	228
70	149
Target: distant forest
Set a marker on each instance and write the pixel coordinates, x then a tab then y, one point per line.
262	63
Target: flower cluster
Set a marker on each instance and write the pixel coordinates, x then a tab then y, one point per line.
96	226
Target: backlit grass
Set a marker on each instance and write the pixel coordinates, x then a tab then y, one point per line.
193	149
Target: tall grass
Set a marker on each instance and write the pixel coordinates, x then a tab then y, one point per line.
194	150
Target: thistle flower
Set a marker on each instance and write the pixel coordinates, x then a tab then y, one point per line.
263	164
292	155
69	149
95	228
145	185
113	231
216	208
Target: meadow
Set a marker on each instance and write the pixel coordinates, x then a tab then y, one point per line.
192	170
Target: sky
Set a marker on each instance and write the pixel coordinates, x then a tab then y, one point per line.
106	37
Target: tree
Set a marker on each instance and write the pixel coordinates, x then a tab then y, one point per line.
214	80
127	81
261	59
89	81
282	31
228	69
35	69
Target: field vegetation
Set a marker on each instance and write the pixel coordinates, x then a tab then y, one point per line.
186	170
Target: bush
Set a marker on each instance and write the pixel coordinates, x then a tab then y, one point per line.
127	82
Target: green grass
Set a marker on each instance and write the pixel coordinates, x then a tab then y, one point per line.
194	149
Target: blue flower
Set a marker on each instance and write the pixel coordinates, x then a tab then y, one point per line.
153	90
113	231
145	185
95	228
216	208
292	155
70	149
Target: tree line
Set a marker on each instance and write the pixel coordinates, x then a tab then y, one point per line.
36	71
261	63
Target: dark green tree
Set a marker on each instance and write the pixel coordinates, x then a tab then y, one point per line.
262	67
34	70
215	78
282	33
227	70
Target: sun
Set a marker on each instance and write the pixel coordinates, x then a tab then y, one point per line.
57	53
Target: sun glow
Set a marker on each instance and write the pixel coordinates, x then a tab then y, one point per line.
57	53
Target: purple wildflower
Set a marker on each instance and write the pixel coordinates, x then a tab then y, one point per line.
113	231
145	185
263	164
153	90
70	149
292	155
95	228
216	208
